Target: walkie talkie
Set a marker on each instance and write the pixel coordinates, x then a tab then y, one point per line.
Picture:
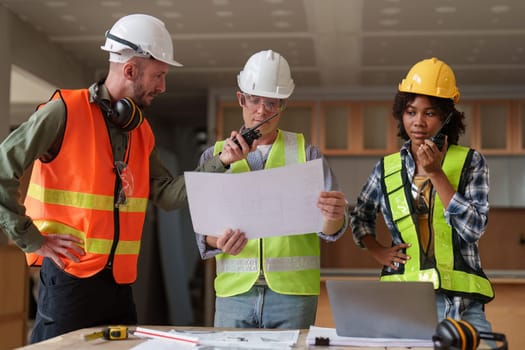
252	134
439	137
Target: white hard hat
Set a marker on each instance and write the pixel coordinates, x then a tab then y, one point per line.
139	35
266	74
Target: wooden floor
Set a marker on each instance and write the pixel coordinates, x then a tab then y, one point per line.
506	312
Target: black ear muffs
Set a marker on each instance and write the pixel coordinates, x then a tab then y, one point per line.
461	335
455	335
124	114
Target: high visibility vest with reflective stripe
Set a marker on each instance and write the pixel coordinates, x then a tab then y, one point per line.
291	264
451	273
74	193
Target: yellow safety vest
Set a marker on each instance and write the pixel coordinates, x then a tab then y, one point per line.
451	274
291	264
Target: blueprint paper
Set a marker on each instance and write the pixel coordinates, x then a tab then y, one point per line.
230	340
273	202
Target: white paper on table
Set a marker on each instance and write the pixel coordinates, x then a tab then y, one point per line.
231	340
159	344
334	339
269	339
273	202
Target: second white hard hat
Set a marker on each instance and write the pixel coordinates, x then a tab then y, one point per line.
266	74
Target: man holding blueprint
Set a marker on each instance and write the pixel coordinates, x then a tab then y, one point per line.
272	281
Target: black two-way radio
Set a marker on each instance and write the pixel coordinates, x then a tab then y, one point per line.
439	137
252	134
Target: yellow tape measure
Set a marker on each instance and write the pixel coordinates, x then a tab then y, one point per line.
109	333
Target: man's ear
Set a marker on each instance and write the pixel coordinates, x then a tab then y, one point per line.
241	99
130	70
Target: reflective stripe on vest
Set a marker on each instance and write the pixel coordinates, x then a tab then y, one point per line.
84	200
294	267
295	263
445	276
74	192
92	245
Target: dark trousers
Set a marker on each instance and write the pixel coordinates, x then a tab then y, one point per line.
66	303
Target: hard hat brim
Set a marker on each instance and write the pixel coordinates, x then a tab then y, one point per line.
124	57
170	62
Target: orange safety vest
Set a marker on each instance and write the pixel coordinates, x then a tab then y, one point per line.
75	192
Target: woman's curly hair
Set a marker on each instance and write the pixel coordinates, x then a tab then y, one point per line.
443	106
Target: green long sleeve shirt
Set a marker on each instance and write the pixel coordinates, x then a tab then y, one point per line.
35	137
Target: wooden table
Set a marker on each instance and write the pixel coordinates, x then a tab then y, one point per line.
75	340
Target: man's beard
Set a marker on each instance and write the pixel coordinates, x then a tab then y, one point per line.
139	95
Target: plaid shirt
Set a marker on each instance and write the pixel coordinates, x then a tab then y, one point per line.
467	212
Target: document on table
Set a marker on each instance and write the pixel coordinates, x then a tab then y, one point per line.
317	335
269	339
273	202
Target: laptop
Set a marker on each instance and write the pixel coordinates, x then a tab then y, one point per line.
375	309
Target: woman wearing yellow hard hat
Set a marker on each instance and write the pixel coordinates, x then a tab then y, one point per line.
433	195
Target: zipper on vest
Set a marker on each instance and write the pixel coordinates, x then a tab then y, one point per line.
428	256
116	221
261	280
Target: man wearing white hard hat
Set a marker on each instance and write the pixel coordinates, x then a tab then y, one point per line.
95	169
271	282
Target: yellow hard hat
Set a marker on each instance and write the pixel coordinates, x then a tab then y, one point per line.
431	77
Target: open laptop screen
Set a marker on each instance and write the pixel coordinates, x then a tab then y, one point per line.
375	309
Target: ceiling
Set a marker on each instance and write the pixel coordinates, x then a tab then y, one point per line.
328	43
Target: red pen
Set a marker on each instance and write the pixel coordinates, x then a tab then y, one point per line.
175	337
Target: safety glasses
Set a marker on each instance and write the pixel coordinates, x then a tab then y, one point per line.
270	104
126	183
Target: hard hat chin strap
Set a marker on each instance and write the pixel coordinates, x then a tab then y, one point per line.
135	47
